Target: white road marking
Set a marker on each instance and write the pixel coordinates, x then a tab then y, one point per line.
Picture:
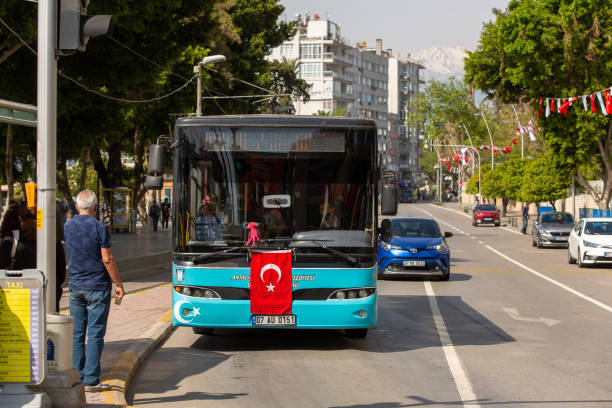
448	209
462	382
508	229
480	242
561	285
513	313
528	269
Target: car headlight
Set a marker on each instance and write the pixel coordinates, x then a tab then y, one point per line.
546	233
386	246
440	247
590	244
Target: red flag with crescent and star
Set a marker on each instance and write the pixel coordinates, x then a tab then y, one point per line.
271	282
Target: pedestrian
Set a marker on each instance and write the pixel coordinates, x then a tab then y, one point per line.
476	203
154	214
165	210
14	253
92	267
525	211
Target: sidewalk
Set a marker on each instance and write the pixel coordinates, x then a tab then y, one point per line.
143	319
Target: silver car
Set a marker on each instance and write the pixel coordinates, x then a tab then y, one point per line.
552	229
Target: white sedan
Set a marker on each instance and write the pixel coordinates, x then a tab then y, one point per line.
590	242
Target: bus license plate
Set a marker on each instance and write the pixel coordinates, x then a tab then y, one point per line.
414	263
274	320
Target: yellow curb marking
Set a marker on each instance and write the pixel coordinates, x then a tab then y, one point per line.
125	367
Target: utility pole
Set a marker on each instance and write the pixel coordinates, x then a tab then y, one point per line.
521	132
47	146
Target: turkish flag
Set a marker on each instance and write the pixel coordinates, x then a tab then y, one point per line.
271	282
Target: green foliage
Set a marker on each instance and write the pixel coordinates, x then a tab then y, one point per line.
285	80
554	48
506	179
544	180
173	36
337	111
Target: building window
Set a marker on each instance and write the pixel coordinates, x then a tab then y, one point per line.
310	51
287	49
310	70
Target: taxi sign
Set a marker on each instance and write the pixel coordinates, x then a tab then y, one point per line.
21	327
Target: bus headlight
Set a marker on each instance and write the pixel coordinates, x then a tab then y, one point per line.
198	292
351	293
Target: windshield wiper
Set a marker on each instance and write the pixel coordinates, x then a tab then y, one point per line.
351	260
201	258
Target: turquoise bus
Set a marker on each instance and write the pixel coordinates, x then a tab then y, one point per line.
309	183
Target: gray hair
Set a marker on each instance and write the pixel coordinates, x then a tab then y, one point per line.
86	200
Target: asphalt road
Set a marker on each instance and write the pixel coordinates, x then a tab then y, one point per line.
515	326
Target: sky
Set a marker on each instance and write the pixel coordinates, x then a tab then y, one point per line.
405	26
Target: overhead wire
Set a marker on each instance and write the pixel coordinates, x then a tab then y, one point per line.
116	99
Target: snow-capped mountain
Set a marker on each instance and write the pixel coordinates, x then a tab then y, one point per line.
441	62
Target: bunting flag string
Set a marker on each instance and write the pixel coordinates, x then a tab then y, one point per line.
560	105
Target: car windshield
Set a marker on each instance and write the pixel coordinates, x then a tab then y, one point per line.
415	228
486	208
598	228
557	218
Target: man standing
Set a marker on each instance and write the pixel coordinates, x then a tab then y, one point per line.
165	210
525	212
92	267
154	214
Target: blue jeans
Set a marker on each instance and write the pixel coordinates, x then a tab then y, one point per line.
90	311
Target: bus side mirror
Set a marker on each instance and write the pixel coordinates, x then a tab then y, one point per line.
385	230
389	200
155	178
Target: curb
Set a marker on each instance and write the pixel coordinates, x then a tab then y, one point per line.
122	373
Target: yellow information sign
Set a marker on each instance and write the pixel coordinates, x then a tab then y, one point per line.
20	331
31	194
39	218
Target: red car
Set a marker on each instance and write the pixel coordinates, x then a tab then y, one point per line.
485	214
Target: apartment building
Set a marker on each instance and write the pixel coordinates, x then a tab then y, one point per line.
404	88
341	75
364	82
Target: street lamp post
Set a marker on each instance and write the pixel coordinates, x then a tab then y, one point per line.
490	138
520	131
198	69
477	153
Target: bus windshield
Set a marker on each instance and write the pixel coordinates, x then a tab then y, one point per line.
294	183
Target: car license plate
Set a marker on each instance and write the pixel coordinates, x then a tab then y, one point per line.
488	219
273	320
414	263
555	238
606	254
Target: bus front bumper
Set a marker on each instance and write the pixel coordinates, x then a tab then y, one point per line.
310	314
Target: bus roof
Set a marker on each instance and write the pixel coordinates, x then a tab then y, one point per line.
276	121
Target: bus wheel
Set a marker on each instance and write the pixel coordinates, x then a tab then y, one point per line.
203	330
356	333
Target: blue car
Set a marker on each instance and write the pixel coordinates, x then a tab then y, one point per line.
413	246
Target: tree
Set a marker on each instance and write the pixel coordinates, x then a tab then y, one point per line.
285	81
559	48
544	180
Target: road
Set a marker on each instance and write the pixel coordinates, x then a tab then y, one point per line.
515	326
